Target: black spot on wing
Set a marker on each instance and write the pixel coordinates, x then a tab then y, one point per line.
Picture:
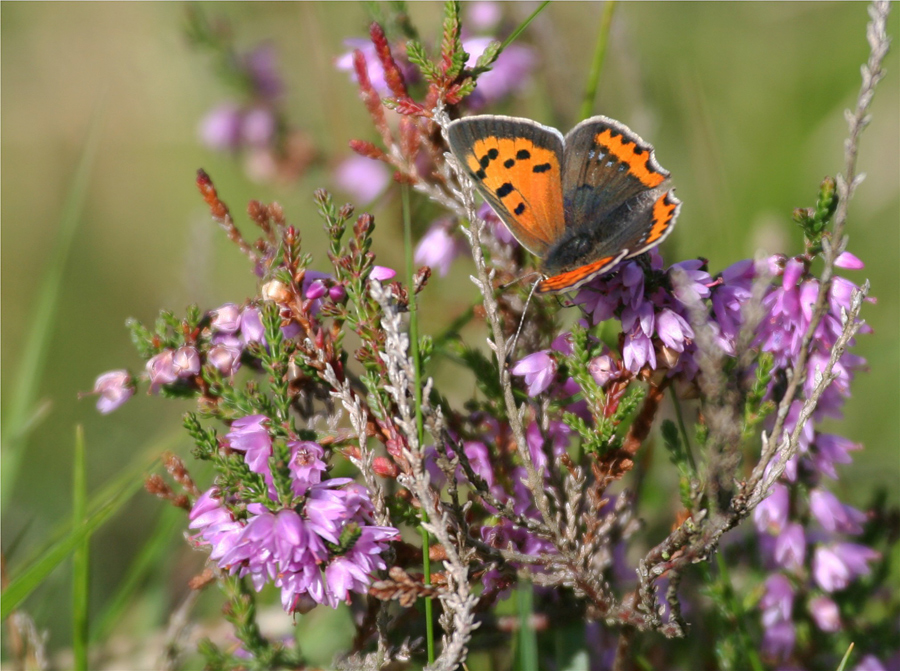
543	167
520	208
504	190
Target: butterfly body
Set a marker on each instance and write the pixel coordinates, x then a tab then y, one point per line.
582	203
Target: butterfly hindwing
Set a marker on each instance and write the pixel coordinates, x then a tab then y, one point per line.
606	164
517	167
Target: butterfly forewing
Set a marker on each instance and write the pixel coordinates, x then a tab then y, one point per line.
517	167
606	165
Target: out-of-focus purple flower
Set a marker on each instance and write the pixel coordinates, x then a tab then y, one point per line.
226	319
252	329
161	369
306	465
559	435
510	72
790	546
829	450
835	566
361	177
499	229
261	64
382	273
344	62
777	602
869	663
825	613
729	297
249	435
482	15
258	126
186	361
539	369
834	515
220	129
771	515
438	248
778	640
114	387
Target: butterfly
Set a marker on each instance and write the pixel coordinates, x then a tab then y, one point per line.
582	203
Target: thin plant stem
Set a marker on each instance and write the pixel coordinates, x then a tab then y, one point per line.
518	31
593	83
414	348
681	427
80	558
528	650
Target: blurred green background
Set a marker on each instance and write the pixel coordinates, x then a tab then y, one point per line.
744	103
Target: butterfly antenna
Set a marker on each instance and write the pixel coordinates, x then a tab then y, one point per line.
520	278
515	339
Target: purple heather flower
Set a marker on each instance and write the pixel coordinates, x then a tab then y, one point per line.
337	293
673	329
497	227
834	515
510	72
777	602
848	261
186	361
316	290
114	387
217	525
261	65
778	640
603	368
829	450
482	15
559	435
249	435
220	129
226	319
728	298
438	247
382	273
225	353
539	369
771	515
362	177
790	546
344	62
252	329
306	465
825	613
835	566
870	663
258	127
161	369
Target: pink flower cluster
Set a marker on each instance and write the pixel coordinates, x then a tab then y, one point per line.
317	548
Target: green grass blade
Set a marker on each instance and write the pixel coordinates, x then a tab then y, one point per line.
846	658
19	417
37	571
133	471
528	648
81	558
590	91
518	31
150	556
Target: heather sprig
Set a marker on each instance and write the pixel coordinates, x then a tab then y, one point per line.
328	437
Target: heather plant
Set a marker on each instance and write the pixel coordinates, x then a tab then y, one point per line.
480	532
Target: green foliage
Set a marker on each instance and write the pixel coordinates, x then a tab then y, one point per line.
814	220
679	458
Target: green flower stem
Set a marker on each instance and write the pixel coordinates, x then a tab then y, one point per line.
590	91
420	431
518	31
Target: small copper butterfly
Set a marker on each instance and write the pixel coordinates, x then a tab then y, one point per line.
582	203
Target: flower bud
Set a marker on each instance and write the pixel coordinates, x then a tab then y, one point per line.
276	291
114	387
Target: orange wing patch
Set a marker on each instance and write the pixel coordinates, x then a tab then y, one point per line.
635	157
573	279
523	182
663	217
